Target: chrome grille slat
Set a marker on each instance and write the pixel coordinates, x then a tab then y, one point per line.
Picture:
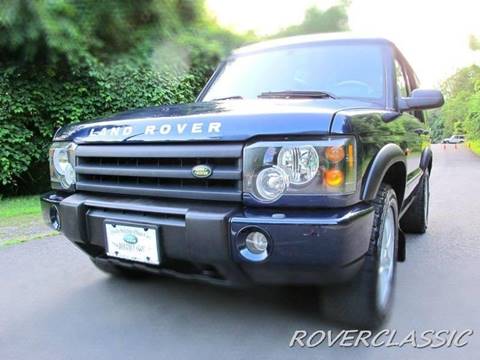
161	170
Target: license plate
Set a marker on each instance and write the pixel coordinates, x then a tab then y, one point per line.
132	242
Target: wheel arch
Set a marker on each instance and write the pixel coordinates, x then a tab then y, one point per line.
389	165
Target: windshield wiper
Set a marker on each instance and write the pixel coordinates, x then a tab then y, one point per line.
290	94
236	97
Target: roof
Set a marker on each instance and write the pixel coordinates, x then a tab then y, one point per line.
308	39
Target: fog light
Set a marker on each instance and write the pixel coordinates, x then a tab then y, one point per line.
256	242
55	218
254	246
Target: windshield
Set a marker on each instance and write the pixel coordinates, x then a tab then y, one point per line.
352	71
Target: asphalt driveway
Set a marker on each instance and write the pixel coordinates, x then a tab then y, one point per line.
55	305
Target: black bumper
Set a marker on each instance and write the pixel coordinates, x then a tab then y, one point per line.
200	240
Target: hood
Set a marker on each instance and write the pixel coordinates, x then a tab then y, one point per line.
233	120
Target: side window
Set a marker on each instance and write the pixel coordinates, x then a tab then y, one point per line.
401	82
405	87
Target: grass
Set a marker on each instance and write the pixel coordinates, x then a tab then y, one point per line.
21	221
474	145
19	206
24	239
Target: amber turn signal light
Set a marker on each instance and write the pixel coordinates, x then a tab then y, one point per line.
334	177
335	154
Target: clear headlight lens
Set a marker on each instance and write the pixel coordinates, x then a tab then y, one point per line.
300	162
60	160
276	168
62	171
271	183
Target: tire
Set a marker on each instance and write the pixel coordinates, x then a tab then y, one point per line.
118	271
366	300
415	220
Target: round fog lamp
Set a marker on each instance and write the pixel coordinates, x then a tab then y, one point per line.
256	242
254	245
271	183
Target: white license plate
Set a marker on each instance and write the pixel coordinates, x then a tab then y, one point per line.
135	243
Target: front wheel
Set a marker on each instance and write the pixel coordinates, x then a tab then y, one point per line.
366	300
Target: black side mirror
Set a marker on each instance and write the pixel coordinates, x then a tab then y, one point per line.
421	99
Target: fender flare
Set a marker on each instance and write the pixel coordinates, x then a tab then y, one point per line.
388	156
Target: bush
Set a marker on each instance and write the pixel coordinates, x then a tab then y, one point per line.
69	61
65	61
34	104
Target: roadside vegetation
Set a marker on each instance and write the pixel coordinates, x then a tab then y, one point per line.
21	221
474	145
25	238
19	206
69	61
461	113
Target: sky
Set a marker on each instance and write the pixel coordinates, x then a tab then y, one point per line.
432	34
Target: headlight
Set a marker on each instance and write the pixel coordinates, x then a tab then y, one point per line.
300	162
274	169
271	183
62	171
60	160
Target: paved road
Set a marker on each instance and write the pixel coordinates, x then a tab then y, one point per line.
55	305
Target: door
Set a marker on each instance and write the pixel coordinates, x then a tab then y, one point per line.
411	124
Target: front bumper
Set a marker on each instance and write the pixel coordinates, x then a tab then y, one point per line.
200	240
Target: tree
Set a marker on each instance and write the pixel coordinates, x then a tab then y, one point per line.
65	61
333	19
474	43
459	90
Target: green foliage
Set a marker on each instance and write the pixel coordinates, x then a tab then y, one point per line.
459	115
461	112
474	145
474	42
435	122
76	31
333	19
19	206
65	61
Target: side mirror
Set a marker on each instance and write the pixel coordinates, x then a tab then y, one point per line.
421	99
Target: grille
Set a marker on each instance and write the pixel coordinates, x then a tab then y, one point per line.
161	170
